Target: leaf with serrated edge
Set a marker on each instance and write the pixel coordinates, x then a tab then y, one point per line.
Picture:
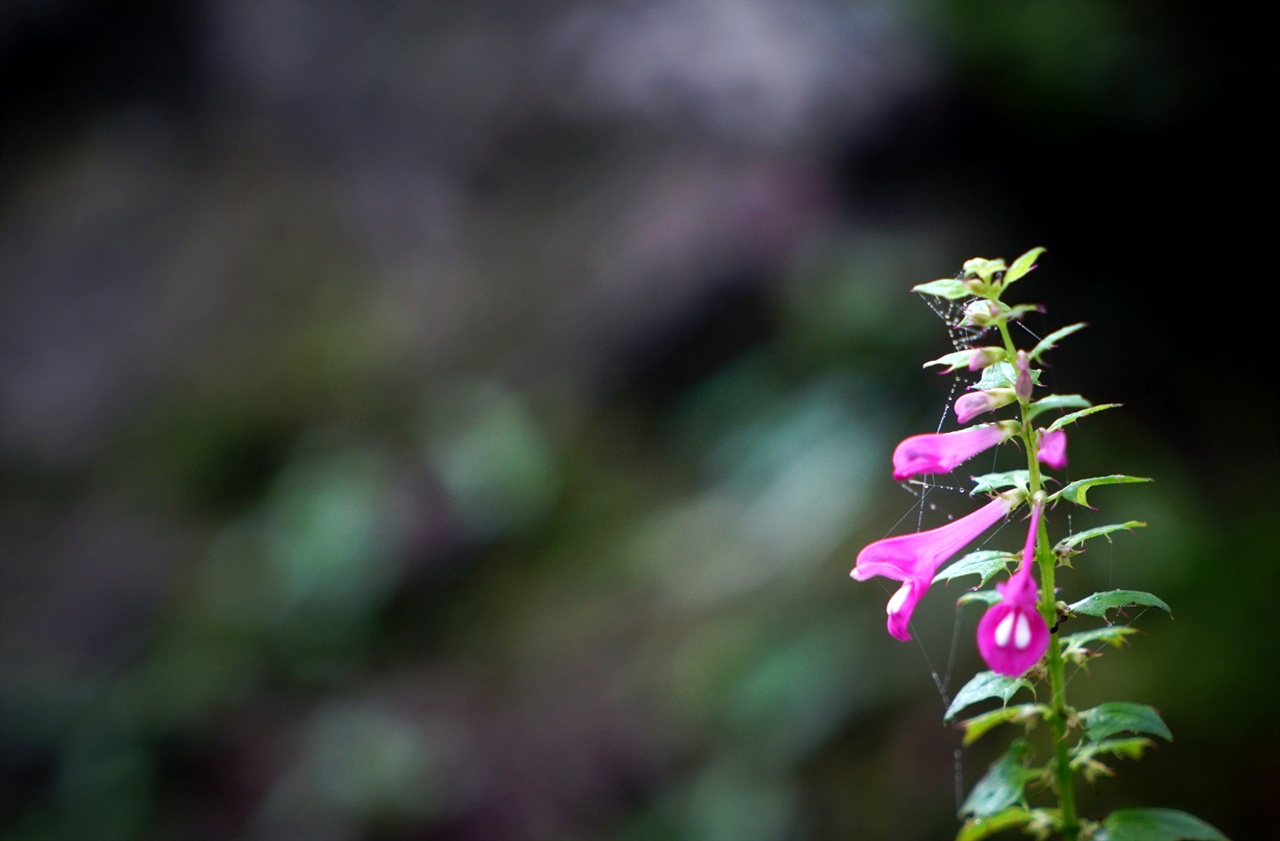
1057	401
1122	716
1068	543
997	375
1022	265
1131	748
982	686
1002	785
1053	338
1076	491
1099	603
986	563
1075	416
996	481
1155	825
948	288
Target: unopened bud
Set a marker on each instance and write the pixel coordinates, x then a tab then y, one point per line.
1022	385
981	357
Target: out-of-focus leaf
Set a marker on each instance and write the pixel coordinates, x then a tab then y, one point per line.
948	288
1053	338
1002	785
1022	265
1156	825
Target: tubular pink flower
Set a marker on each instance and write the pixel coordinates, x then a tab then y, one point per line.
913	559
1013	636
944	452
981	357
1053	449
974	403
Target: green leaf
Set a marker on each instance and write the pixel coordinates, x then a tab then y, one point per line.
976	829
975	728
982	686
1022	265
987	597
1075	416
997	375
996	481
1057	401
948	288
1099	603
1084	757
959	359
1002	785
1075	492
1075	647
1053	338
1120	716
1067	544
1155	825
986	563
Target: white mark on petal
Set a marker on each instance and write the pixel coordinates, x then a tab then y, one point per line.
1004	630
1022	636
895	603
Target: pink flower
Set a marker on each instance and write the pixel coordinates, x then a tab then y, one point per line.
944	452
974	403
981	357
913	559
1013	636
1053	449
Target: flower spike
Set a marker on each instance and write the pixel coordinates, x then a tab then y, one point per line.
1013	636
944	452
913	559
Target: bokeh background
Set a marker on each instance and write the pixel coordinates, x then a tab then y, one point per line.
438	420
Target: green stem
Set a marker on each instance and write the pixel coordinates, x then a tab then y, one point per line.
1059	718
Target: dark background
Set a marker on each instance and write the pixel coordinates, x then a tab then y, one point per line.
432	420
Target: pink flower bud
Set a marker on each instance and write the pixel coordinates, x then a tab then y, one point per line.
1022	385
1012	635
914	559
944	452
981	357
974	403
1053	449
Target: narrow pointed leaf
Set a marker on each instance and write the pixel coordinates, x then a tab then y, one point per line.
1076	491
1022	265
1155	825
986	563
1109	634
948	288
1099	603
982	686
1057	401
1075	416
987	597
1053	338
1066	544
959	359
1121	716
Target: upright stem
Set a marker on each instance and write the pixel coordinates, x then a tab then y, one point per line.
1058	718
